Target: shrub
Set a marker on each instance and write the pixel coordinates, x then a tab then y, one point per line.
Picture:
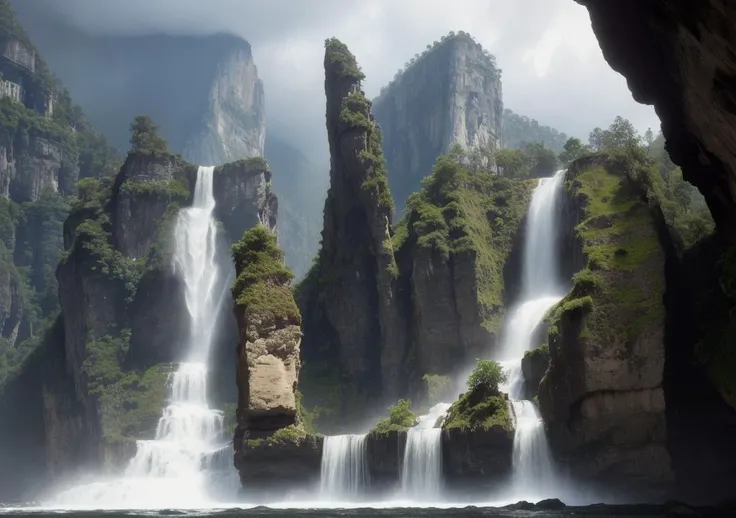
400	417
488	374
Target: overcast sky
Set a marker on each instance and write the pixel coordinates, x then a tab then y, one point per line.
553	69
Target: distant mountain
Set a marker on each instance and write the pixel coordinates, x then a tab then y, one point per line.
450	93
518	129
204	93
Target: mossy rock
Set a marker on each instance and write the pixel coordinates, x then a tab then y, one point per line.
262	284
479	409
478	214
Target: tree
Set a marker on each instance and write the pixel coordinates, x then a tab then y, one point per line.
572	150
144	137
541	160
511	163
596	139
487	374
649	137
621	134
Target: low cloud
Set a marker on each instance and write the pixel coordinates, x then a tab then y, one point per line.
553	69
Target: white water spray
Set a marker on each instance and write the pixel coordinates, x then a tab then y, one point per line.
533	473
176	468
344	470
421	471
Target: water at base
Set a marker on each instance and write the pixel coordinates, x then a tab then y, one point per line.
533	471
189	462
421	470
344	469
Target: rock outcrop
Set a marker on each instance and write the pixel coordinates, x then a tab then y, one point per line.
451	93
350	304
272	448
396	303
680	58
602	397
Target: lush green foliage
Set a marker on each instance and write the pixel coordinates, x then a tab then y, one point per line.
573	149
337	54
130	401
144	138
518	130
174	189
400	418
262	283
683	206
479	409
487	374
477	213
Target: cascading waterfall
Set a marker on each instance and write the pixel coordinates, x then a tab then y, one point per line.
533	473
174	469
421	471
344	470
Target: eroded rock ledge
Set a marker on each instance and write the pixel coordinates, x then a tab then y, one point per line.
679	56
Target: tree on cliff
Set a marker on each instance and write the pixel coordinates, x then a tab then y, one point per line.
574	149
144	137
541	160
511	163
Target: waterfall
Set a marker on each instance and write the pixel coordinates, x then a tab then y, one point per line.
344	470
421	471
177	467
533	471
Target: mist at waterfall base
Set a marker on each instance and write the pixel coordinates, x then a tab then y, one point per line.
188	464
191	457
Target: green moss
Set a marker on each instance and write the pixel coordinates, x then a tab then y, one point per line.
130	402
540	352
293	435
170	188
619	292
338	55
479	409
458	212
253	165
400	418
355	111
262	283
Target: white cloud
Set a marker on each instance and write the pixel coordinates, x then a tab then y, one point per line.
553	69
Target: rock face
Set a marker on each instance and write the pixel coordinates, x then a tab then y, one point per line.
679	57
397	303
452	93
234	125
272	449
602	397
350	308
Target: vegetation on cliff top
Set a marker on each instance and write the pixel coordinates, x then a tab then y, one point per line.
479	213
262	286
130	402
338	55
400	418
483	406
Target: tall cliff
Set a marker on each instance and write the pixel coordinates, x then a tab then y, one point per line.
603	395
104	365
451	93
234	124
207	97
350	316
46	145
395	303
